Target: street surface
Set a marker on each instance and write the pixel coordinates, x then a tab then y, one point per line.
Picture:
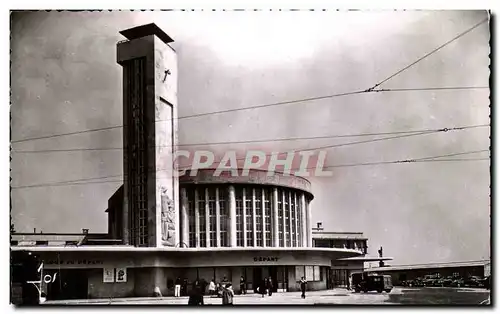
399	295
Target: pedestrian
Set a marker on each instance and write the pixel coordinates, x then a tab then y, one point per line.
270	286
196	297
262	287
303	286
157	292
177	292
211	288
184	287
227	295
243	289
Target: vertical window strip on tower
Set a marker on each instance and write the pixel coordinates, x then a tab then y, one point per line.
212	217
239	217
249	216
192	218
267	216
258	216
280	219
202	217
137	153
224	241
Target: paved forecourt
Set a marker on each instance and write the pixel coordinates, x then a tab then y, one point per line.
335	296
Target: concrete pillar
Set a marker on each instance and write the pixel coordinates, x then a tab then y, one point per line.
232	216
254	221
207	218
150	91
159	280
290	218
274	210
304	222
197	217
185	218
125	216
283	218
244	218
217	219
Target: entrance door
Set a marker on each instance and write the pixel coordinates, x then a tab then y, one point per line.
273	273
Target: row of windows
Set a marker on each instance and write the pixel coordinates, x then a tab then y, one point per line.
255	219
309	273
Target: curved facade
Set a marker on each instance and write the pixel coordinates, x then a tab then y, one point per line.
255	210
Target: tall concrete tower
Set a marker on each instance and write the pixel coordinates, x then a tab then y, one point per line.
151	193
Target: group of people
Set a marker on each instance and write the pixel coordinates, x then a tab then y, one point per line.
266	287
224	289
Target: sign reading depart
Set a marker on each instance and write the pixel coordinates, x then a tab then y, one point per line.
265	259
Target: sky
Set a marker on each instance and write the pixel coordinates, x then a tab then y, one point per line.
64	78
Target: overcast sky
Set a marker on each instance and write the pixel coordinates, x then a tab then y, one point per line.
65	79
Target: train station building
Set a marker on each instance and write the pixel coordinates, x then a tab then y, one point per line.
162	227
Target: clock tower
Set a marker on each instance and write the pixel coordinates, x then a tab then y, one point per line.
151	193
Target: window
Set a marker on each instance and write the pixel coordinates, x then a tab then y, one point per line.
42	243
192	219
286	209
293	227
299	272
249	215
317	273
299	219
267	217
258	216
202	218
224	242
212	217
239	218
309	273
280	219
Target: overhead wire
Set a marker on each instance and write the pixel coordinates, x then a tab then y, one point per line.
368	90
414	160
242	142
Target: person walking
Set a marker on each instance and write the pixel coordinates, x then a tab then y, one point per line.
243	289
177	292
262	287
227	295
196	297
303	286
211	288
270	286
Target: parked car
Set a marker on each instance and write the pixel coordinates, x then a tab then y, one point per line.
447	281
474	281
371	282
431	280
458	282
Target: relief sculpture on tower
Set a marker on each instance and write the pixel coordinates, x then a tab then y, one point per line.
167	219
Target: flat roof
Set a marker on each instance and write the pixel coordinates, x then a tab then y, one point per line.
129	248
332	235
366	259
146	30
431	265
